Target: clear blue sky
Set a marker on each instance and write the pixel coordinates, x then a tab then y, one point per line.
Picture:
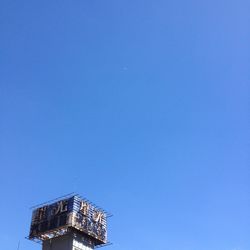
141	106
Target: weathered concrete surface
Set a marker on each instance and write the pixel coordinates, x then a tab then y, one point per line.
72	241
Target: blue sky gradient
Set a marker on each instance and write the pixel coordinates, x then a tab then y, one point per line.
141	106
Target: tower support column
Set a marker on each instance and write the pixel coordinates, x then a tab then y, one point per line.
70	241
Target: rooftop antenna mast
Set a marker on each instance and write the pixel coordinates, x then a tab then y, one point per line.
18	246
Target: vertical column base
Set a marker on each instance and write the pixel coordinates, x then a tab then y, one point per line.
70	241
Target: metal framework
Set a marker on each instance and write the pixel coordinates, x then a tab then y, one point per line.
66	214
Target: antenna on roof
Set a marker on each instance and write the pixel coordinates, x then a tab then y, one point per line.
18	246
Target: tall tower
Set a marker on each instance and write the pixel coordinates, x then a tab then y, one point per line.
71	223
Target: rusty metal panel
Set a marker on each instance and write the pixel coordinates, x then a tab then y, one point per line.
55	219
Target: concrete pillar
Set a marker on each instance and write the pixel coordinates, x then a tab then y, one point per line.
70	241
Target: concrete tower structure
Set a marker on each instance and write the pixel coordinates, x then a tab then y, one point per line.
71	223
